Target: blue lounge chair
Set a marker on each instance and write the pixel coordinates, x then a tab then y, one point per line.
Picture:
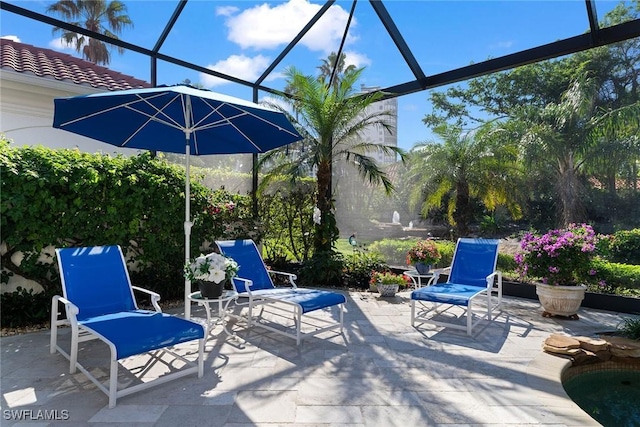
254	282
472	276
99	304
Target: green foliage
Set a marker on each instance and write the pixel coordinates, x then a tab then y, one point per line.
24	308
615	277
58	198
358	267
506	262
465	168
394	251
289	230
323	269
630	328
624	247
331	119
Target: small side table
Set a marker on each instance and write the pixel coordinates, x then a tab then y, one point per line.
420	280
223	305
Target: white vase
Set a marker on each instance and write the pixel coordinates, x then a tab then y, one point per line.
560	300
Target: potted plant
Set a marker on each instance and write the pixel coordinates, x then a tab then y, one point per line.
423	255
560	262
211	272
388	283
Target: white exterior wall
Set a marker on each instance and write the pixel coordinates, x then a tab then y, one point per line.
26	113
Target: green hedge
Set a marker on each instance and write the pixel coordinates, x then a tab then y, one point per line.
68	198
624	247
618	278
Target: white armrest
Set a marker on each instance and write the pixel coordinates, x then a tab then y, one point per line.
292	277
155	297
247	284
70	308
490	279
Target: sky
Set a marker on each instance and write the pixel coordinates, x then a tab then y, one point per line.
242	38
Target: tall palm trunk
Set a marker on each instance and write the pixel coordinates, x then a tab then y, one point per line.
462	214
326	230
569	191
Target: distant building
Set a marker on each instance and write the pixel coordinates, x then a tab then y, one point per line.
31	77
377	134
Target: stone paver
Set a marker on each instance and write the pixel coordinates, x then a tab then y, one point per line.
379	372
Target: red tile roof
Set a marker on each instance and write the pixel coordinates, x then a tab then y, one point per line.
47	63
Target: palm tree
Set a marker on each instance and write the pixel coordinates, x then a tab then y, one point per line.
95	15
327	69
331	120
564	136
464	167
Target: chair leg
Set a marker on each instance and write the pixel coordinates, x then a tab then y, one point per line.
53	342
73	352
201	356
113	381
298	318
413	313
469	317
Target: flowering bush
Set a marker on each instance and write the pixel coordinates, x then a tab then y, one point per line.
389	278
211	268
424	251
560	257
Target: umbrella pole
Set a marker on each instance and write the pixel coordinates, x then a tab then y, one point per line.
188	123
187	233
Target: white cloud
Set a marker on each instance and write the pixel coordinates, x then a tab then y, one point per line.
226	10
240	66
12	38
60	45
270	100
354	58
268	27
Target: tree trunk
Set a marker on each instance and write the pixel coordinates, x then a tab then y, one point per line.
323	236
462	214
569	191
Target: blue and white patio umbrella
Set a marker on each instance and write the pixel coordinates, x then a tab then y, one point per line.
176	119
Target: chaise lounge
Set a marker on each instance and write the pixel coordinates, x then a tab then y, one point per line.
254	284
472	278
99	303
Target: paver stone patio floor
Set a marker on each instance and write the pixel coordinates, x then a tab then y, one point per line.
379	372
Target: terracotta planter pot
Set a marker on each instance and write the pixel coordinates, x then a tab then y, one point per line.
560	300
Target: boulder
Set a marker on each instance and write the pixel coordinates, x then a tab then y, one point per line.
623	347
593	344
562	341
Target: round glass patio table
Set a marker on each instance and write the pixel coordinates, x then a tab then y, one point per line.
420	280
219	317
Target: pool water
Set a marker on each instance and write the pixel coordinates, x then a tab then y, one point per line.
610	397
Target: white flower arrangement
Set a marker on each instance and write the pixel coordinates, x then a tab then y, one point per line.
211	268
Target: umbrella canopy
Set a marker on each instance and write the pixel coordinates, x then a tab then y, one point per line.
176	119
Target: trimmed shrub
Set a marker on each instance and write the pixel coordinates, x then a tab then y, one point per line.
624	247
358	267
61	198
